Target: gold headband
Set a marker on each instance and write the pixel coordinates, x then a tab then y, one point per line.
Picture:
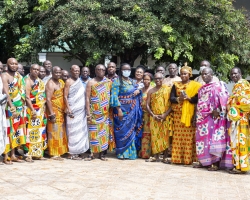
187	68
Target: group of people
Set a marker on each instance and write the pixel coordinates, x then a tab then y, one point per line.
173	120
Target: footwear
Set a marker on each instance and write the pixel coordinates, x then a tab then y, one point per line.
29	159
75	157
166	161
15	159
213	168
59	158
89	158
152	159
236	171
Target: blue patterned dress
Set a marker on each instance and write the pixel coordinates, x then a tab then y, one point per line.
128	132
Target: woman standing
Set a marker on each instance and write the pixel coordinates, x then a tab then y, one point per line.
126	99
184	96
145	151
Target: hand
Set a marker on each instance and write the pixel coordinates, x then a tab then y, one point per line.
120	114
136	92
89	118
157	117
193	121
216	114
14	115
182	97
163	116
33	115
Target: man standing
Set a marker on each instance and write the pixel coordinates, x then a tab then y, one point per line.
212	140
14	87
48	67
159	107
56	129
173	70
97	106
85	76
36	140
42	72
203	65
76	122
20	69
111	68
238	114
65	75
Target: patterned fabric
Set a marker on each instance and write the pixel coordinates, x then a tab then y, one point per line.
160	130
77	130
3	123
16	126
57	138
36	139
99	110
129	130
145	151
183	150
212	139
238	113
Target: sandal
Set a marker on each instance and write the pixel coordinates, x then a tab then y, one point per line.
29	159
236	171
166	161
59	158
152	159
199	165
7	162
75	157
40	158
213	168
103	158
89	158
15	159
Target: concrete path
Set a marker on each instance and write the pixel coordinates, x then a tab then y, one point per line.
117	179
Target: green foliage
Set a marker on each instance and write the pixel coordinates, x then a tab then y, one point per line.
169	31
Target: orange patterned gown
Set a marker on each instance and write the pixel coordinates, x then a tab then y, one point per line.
160	130
57	138
183	150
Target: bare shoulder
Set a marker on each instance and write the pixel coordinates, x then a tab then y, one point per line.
68	82
50	84
151	90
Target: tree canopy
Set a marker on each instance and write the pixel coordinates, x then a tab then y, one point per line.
167	31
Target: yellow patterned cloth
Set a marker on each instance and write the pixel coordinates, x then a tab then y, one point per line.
160	130
57	138
238	113
183	150
99	133
36	140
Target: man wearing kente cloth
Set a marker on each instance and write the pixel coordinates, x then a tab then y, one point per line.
158	106
97	108
14	87
36	140
56	129
238	114
212	139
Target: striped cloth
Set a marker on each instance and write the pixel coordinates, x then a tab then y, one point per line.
77	130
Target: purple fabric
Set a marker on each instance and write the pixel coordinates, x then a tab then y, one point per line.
212	139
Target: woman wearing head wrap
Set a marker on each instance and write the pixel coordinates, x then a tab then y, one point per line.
184	96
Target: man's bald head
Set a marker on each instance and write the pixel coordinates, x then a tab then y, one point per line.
12	65
20	69
75	71
205	63
65	75
55	68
